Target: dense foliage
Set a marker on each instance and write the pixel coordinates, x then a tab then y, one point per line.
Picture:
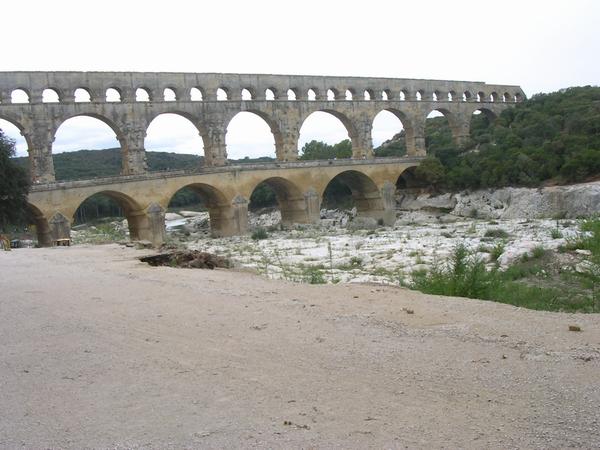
550	137
14	185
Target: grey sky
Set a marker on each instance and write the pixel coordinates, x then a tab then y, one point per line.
540	45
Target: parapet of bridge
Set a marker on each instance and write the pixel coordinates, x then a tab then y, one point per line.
210	101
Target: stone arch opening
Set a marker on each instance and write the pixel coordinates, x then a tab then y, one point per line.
169	137
349	94
37	224
404	94
19	96
335	143
222	94
251	136
368	94
438	131
114	215
480	127
312	94
332	95
94	138
277	192
384	95
269	94
113	95
142	95
169	95
196	94
82	95
292	94
247	94
389	133
352	189
205	204
50	95
467	96
409	181
15	131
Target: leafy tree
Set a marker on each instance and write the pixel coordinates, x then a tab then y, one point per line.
431	171
14	185
315	150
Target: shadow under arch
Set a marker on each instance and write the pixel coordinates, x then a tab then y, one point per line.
35	216
365	194
212	199
408	180
280	152
133	212
289	197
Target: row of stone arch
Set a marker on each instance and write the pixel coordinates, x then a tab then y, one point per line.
143	94
403	118
229	216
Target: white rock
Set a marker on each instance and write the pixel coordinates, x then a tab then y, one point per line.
172	216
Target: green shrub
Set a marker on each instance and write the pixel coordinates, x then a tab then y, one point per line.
259	233
496	233
313	275
555	233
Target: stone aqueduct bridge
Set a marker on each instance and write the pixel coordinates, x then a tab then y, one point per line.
210	101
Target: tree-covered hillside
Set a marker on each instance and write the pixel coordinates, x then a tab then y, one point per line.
548	138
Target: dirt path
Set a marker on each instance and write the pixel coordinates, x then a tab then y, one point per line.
99	350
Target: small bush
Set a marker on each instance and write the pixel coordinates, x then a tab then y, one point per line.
259	234
496	233
555	233
496	251
314	275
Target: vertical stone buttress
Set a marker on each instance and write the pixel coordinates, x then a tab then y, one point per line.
362	142
132	145
215	152
41	165
289	133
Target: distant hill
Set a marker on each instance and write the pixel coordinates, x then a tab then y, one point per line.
84	164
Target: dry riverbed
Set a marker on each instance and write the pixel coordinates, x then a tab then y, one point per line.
100	350
385	255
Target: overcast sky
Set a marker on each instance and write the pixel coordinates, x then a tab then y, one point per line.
540	45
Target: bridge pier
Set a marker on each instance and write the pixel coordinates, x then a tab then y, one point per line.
147	225
305	209
229	220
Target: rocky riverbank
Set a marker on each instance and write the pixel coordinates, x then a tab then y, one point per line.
579	200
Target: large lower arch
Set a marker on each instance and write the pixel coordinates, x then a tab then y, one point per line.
78	132
255	143
220	209
295	206
366	196
136	215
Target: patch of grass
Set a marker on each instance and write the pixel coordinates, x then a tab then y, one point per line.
259	234
464	275
313	275
496	233
555	233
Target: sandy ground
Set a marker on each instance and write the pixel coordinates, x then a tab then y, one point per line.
98	350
